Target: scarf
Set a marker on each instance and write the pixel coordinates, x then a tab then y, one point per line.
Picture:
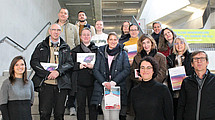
85	48
114	51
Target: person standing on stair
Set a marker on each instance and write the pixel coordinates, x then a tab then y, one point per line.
82	23
52	83
83	75
70	35
17	92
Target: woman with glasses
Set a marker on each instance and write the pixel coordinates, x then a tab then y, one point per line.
180	57
147	47
17	92
166	39
151	100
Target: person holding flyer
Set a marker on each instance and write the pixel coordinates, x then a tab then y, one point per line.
82	75
111	69
180	57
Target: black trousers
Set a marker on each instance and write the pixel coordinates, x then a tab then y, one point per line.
51	98
71	100
83	94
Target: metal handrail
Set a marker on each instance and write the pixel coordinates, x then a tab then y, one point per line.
134	20
24	48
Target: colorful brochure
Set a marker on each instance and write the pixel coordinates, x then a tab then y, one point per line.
112	98
177	75
85	58
49	66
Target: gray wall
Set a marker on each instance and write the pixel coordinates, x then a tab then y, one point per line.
21	20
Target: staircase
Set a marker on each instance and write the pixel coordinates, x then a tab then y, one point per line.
34	108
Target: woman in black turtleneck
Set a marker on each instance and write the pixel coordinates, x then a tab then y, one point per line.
151	100
147	47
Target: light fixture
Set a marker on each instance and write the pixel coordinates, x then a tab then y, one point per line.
109	27
77	4
129	9
131	2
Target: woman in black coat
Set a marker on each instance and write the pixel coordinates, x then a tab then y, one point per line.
180	57
111	69
151	100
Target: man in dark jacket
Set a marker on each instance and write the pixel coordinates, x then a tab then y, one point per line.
52	82
83	74
197	98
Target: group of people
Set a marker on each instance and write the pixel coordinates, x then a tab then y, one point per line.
138	65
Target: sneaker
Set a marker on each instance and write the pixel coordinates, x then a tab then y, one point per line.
72	111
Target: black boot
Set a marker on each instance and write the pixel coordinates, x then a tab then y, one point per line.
122	117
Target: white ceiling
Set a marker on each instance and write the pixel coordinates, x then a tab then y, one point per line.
114	12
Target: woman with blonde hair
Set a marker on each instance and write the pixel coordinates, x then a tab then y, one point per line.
147	47
180	57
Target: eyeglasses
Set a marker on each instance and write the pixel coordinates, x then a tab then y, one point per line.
146	68
134	30
179	43
58	30
199	58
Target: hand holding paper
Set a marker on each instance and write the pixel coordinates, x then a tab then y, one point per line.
53	75
89	65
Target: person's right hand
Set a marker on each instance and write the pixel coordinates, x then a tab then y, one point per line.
139	78
82	66
107	85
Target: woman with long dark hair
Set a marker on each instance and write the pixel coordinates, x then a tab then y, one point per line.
17	92
166	40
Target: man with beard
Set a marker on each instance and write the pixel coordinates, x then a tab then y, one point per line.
82	22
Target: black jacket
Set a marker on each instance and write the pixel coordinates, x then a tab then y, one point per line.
196	100
186	63
120	69
152	101
42	54
124	38
83	77
156	37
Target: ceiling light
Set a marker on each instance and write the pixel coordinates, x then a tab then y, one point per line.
130	9
77	3
109	27
131	2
